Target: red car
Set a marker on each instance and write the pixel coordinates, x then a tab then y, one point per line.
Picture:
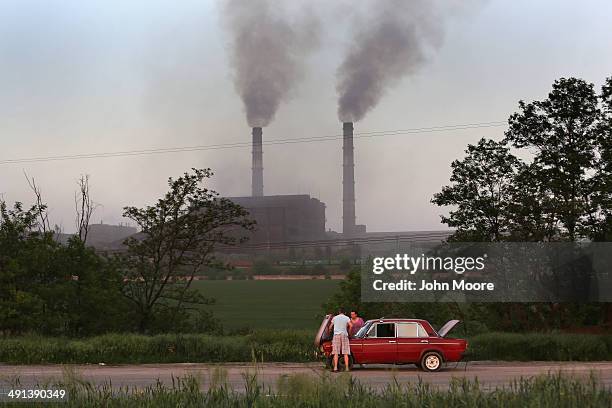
397	341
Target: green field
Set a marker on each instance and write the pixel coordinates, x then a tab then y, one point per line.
283	304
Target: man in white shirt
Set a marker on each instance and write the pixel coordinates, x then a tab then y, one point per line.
340	341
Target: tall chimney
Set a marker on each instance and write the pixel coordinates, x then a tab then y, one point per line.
257	169
348	180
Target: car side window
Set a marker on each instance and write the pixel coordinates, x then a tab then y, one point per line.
383	330
407	330
422	332
410	330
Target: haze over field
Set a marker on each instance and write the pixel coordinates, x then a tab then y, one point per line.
102	76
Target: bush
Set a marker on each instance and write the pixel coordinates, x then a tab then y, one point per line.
541	346
163	348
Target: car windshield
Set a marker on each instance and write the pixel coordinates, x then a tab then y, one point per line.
363	330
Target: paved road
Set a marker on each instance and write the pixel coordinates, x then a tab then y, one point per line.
489	374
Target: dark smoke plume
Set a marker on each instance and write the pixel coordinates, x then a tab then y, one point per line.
268	50
391	42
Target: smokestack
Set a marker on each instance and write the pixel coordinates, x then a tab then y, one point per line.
257	169
348	180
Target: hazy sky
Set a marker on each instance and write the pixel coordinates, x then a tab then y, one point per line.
102	76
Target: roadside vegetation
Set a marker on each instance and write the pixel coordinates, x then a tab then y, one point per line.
288	345
49	287
339	391
276	346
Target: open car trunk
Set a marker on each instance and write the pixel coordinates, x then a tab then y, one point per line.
322	334
447	327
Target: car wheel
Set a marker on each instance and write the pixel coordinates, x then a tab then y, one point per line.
341	363
431	361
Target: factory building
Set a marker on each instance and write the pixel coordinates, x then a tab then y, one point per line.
285	218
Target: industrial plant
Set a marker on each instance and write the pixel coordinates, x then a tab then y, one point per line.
294	218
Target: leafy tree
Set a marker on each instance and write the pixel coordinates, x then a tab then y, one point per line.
19	306
602	226
89	300
348	294
179	235
481	191
531	212
50	288
563	193
563	132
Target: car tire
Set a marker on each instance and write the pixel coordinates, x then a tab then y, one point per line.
431	362
329	363
341	363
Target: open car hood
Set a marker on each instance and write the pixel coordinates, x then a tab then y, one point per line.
447	327
322	330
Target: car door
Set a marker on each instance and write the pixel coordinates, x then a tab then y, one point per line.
380	344
411	342
323	331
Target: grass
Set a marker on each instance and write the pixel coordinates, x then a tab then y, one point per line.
255	304
553	390
276	345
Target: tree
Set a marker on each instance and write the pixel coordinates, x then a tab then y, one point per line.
88	299
481	192
564	193
40	208
602	225
531	211
51	288
84	208
563	132
179	235
19	306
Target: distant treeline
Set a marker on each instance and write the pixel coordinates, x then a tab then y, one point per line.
266	267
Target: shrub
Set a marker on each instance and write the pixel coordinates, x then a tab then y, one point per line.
541	346
163	348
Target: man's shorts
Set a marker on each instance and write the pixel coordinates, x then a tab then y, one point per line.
340	344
